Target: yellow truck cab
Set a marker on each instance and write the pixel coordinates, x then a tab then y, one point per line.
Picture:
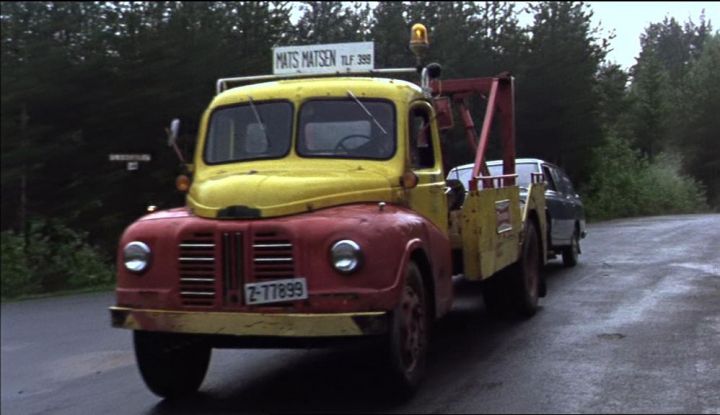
316	147
318	211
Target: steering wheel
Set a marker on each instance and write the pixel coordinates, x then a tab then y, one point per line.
341	143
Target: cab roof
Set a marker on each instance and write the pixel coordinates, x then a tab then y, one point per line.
301	89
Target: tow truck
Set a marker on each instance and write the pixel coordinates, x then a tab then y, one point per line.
318	211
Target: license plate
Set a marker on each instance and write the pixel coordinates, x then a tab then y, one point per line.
276	291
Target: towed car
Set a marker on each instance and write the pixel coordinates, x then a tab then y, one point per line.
566	215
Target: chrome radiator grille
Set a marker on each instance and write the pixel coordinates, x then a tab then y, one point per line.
197	267
272	257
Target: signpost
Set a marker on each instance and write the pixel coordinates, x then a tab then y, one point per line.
330	58
133	160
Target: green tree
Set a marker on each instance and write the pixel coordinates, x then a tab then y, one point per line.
671	94
331	22
557	102
698	139
391	34
650	96
613	103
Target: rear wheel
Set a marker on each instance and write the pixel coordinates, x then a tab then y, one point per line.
526	274
408	337
172	365
570	253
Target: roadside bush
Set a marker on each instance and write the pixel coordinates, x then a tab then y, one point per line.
50	257
624	183
14	268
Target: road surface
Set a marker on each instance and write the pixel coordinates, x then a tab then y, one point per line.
635	327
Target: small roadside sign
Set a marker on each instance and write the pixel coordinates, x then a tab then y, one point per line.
329	58
132	160
129	157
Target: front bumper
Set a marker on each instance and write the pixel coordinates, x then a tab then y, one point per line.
251	324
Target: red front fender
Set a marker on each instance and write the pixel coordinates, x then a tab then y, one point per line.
388	238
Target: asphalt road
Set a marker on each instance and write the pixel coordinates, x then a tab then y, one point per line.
635	327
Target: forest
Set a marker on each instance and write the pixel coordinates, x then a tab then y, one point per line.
83	80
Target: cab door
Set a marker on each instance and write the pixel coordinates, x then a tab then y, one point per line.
425	161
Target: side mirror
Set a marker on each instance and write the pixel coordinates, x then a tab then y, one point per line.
455	192
173	132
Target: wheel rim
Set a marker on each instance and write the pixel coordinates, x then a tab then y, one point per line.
413	328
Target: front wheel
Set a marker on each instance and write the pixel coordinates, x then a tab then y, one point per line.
570	253
408	336
172	365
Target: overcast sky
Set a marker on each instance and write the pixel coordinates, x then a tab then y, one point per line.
629	19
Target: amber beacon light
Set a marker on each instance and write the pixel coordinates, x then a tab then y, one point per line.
419	39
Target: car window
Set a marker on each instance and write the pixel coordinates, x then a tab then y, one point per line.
361	129
549	181
523	171
246	132
563	183
567	184
555	175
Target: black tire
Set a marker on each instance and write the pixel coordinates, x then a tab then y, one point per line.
172	365
409	335
570	253
525	281
515	290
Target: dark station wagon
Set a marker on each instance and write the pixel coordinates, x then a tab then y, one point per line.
565	209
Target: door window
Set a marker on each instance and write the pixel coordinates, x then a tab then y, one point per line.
549	181
421	149
567	184
563	182
557	179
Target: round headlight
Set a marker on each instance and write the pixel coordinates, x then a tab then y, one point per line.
346	256
136	256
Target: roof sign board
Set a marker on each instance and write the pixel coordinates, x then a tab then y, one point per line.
330	58
129	157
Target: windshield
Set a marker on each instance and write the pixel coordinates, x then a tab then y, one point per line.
347	129
523	171
250	131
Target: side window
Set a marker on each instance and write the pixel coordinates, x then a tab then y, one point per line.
549	181
567	184
557	179
420	140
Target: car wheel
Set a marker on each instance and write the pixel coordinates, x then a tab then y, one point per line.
526	274
172	365
515	290
408	336
570	253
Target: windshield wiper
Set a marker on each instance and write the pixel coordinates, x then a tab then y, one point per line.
366	111
258	119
